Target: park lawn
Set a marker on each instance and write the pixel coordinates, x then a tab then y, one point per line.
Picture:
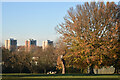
72	77
7	74
24	76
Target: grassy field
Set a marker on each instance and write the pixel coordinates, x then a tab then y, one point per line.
58	77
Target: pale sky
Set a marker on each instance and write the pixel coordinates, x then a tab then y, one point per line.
37	20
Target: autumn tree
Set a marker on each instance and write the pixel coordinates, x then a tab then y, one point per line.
70	60
112	58
89	29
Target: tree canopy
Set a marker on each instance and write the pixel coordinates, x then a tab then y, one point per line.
91	30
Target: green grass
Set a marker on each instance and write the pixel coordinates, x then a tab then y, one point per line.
25	76
73	77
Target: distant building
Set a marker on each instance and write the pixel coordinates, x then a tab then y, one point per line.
11	44
30	44
46	44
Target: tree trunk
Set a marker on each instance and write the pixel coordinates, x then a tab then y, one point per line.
96	71
20	70
63	68
44	71
116	67
91	69
63	64
82	70
116	70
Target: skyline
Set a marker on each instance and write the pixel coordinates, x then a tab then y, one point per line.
37	20
27	40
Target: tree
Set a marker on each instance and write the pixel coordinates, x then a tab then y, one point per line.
113	57
16	61
47	59
5	59
26	62
23	61
89	29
